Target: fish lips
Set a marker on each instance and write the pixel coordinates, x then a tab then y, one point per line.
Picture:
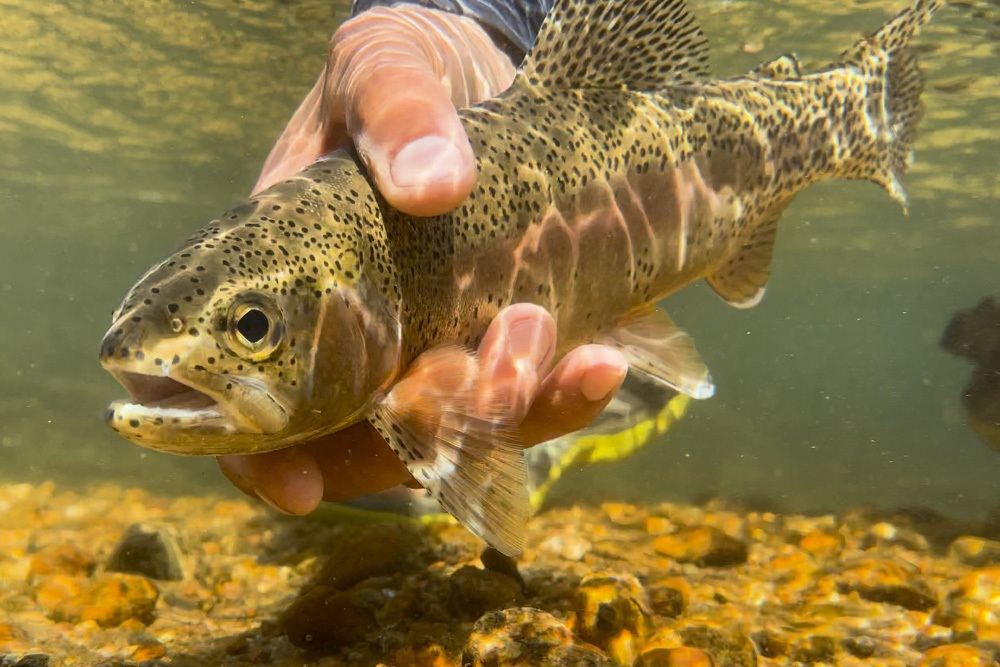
169	412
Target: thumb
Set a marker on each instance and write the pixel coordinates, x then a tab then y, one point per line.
399	74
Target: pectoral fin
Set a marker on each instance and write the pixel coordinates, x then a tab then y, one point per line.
657	347
457	441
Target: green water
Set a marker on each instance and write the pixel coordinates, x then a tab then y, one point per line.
125	126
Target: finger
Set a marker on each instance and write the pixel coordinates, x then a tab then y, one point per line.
289	479
308	136
400	73
515	354
356	462
574	393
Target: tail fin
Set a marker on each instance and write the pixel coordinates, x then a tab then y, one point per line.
895	83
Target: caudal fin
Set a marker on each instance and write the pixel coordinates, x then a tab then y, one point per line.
894	85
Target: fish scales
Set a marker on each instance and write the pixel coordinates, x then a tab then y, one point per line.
613	173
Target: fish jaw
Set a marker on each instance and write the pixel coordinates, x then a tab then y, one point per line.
171	408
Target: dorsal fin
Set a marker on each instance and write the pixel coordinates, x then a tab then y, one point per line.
782	68
642	45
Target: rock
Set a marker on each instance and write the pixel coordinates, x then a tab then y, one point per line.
32	660
813	648
526	637
682	656
325	620
669	597
822	545
975	551
703	546
61	558
473	591
956	655
975	599
860	647
609	605
729	647
110	600
382	549
498	562
886	580
885	534
53	590
149	551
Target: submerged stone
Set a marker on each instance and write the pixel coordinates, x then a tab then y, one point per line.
150	551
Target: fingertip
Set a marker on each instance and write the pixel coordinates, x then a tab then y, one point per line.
288	480
429	176
605	372
575	392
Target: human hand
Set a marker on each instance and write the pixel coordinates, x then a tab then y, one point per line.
515	357
392	82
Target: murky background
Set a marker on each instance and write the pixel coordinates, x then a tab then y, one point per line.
125	126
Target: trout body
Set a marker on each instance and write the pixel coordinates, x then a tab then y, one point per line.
613	173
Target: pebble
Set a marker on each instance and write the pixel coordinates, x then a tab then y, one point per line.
327	620
973	604
682	656
147	550
887	580
956	655
704	546
526	637
475	591
110	600
975	551
413	595
612	606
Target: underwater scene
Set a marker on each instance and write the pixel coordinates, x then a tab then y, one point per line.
809	477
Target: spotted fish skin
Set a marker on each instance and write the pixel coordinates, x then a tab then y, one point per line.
614	172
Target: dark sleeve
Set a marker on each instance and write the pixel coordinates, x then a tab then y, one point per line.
512	24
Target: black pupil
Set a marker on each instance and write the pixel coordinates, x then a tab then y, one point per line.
253	325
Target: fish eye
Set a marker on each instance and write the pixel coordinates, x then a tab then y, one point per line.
254	326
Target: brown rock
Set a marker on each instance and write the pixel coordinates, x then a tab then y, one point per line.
704	546
886	580
61	558
822	545
956	655
885	534
975	599
147	550
526	637
975	551
325	620
728	647
149	651
53	590
683	656
382	549
669	597
814	648
110	600
608	605
473	591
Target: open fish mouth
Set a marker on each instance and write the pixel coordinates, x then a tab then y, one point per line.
164	393
167	415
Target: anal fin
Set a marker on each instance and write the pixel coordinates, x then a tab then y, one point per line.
742	279
657	347
459	445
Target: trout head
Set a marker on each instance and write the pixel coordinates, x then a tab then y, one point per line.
259	332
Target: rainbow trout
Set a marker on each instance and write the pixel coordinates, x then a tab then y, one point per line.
613	172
